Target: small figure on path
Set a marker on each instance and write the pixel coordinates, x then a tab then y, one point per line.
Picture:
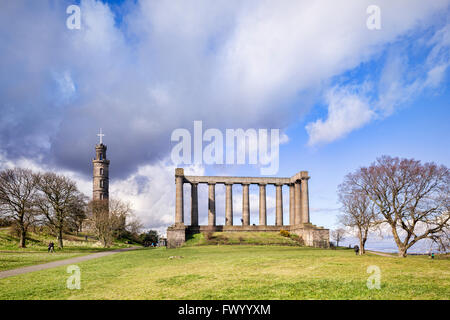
51	247
356	248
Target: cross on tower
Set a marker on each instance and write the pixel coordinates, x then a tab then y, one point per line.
101	135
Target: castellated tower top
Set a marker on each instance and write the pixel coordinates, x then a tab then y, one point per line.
100	173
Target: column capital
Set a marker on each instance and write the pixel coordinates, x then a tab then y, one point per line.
179	172
261	184
304	175
211	183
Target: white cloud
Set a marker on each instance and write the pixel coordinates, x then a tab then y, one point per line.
346	112
351	107
228	63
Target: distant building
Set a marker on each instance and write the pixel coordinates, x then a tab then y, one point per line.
100	190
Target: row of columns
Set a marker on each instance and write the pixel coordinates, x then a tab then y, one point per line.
298	203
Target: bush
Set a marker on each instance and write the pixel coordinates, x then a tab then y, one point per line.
5	222
297	238
284	233
209	235
147	238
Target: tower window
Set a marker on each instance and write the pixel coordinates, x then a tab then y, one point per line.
101	196
101	183
101	156
101	171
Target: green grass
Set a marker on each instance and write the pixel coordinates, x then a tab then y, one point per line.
238	272
12	257
243	238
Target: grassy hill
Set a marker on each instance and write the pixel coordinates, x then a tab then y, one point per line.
238	272
11	256
241	238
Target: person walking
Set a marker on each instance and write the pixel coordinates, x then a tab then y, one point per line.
51	247
356	248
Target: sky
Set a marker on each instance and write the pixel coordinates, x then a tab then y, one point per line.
341	93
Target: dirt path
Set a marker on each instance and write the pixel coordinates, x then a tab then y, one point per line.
38	267
382	254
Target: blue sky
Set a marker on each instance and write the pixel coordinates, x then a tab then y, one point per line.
342	94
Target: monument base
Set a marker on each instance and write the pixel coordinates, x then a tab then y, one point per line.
176	235
312	235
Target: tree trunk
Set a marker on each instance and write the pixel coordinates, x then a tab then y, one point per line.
23	236
362	243
401	247
60	239
402	251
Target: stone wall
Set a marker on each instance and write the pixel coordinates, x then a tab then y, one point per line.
176	235
312	235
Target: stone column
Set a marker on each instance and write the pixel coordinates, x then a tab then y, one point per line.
229	205
305	198
279	204
179	205
262	205
297	203
245	205
291	205
194	204
211	204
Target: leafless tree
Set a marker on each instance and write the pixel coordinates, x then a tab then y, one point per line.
134	226
108	218
338	235
442	239
17	195
57	199
359	212
413	198
77	213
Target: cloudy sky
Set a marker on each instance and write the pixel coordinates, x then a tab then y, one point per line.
341	94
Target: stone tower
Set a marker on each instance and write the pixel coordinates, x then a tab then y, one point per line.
101	172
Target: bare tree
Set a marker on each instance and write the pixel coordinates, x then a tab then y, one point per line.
77	213
108	218
338	235
58	197
359	212
134	226
17	195
442	239
413	198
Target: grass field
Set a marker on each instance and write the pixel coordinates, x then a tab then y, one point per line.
12	257
255	238
238	272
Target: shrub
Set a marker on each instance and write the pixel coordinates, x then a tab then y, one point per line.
284	233
5	222
209	235
297	238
